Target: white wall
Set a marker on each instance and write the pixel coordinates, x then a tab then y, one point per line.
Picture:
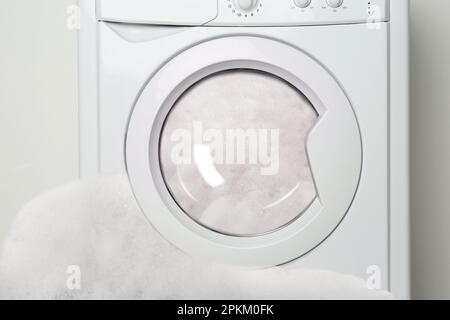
430	87
38	102
38	121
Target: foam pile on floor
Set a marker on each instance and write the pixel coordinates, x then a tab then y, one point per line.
93	230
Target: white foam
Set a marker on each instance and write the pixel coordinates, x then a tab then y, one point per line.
97	225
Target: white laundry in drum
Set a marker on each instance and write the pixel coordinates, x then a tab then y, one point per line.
233	152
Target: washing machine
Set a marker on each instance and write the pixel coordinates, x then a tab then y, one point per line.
256	133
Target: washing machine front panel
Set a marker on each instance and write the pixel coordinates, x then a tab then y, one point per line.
175	12
333	151
243	12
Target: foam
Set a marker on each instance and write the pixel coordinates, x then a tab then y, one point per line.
96	225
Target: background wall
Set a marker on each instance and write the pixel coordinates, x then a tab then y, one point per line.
38	121
38	102
430	122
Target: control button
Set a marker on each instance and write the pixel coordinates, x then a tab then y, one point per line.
302	3
335	3
246	5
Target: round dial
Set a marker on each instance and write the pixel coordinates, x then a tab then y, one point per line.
246	5
335	3
302	3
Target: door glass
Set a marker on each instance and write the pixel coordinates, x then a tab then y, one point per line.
233	152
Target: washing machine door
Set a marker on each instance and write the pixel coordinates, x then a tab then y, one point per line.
244	150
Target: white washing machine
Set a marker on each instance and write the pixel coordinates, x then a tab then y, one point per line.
257	132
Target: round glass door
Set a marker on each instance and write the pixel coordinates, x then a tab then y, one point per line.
250	157
233	152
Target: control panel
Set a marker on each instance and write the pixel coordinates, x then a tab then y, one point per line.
299	12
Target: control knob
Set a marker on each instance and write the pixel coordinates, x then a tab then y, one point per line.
335	3
302	3
246	5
